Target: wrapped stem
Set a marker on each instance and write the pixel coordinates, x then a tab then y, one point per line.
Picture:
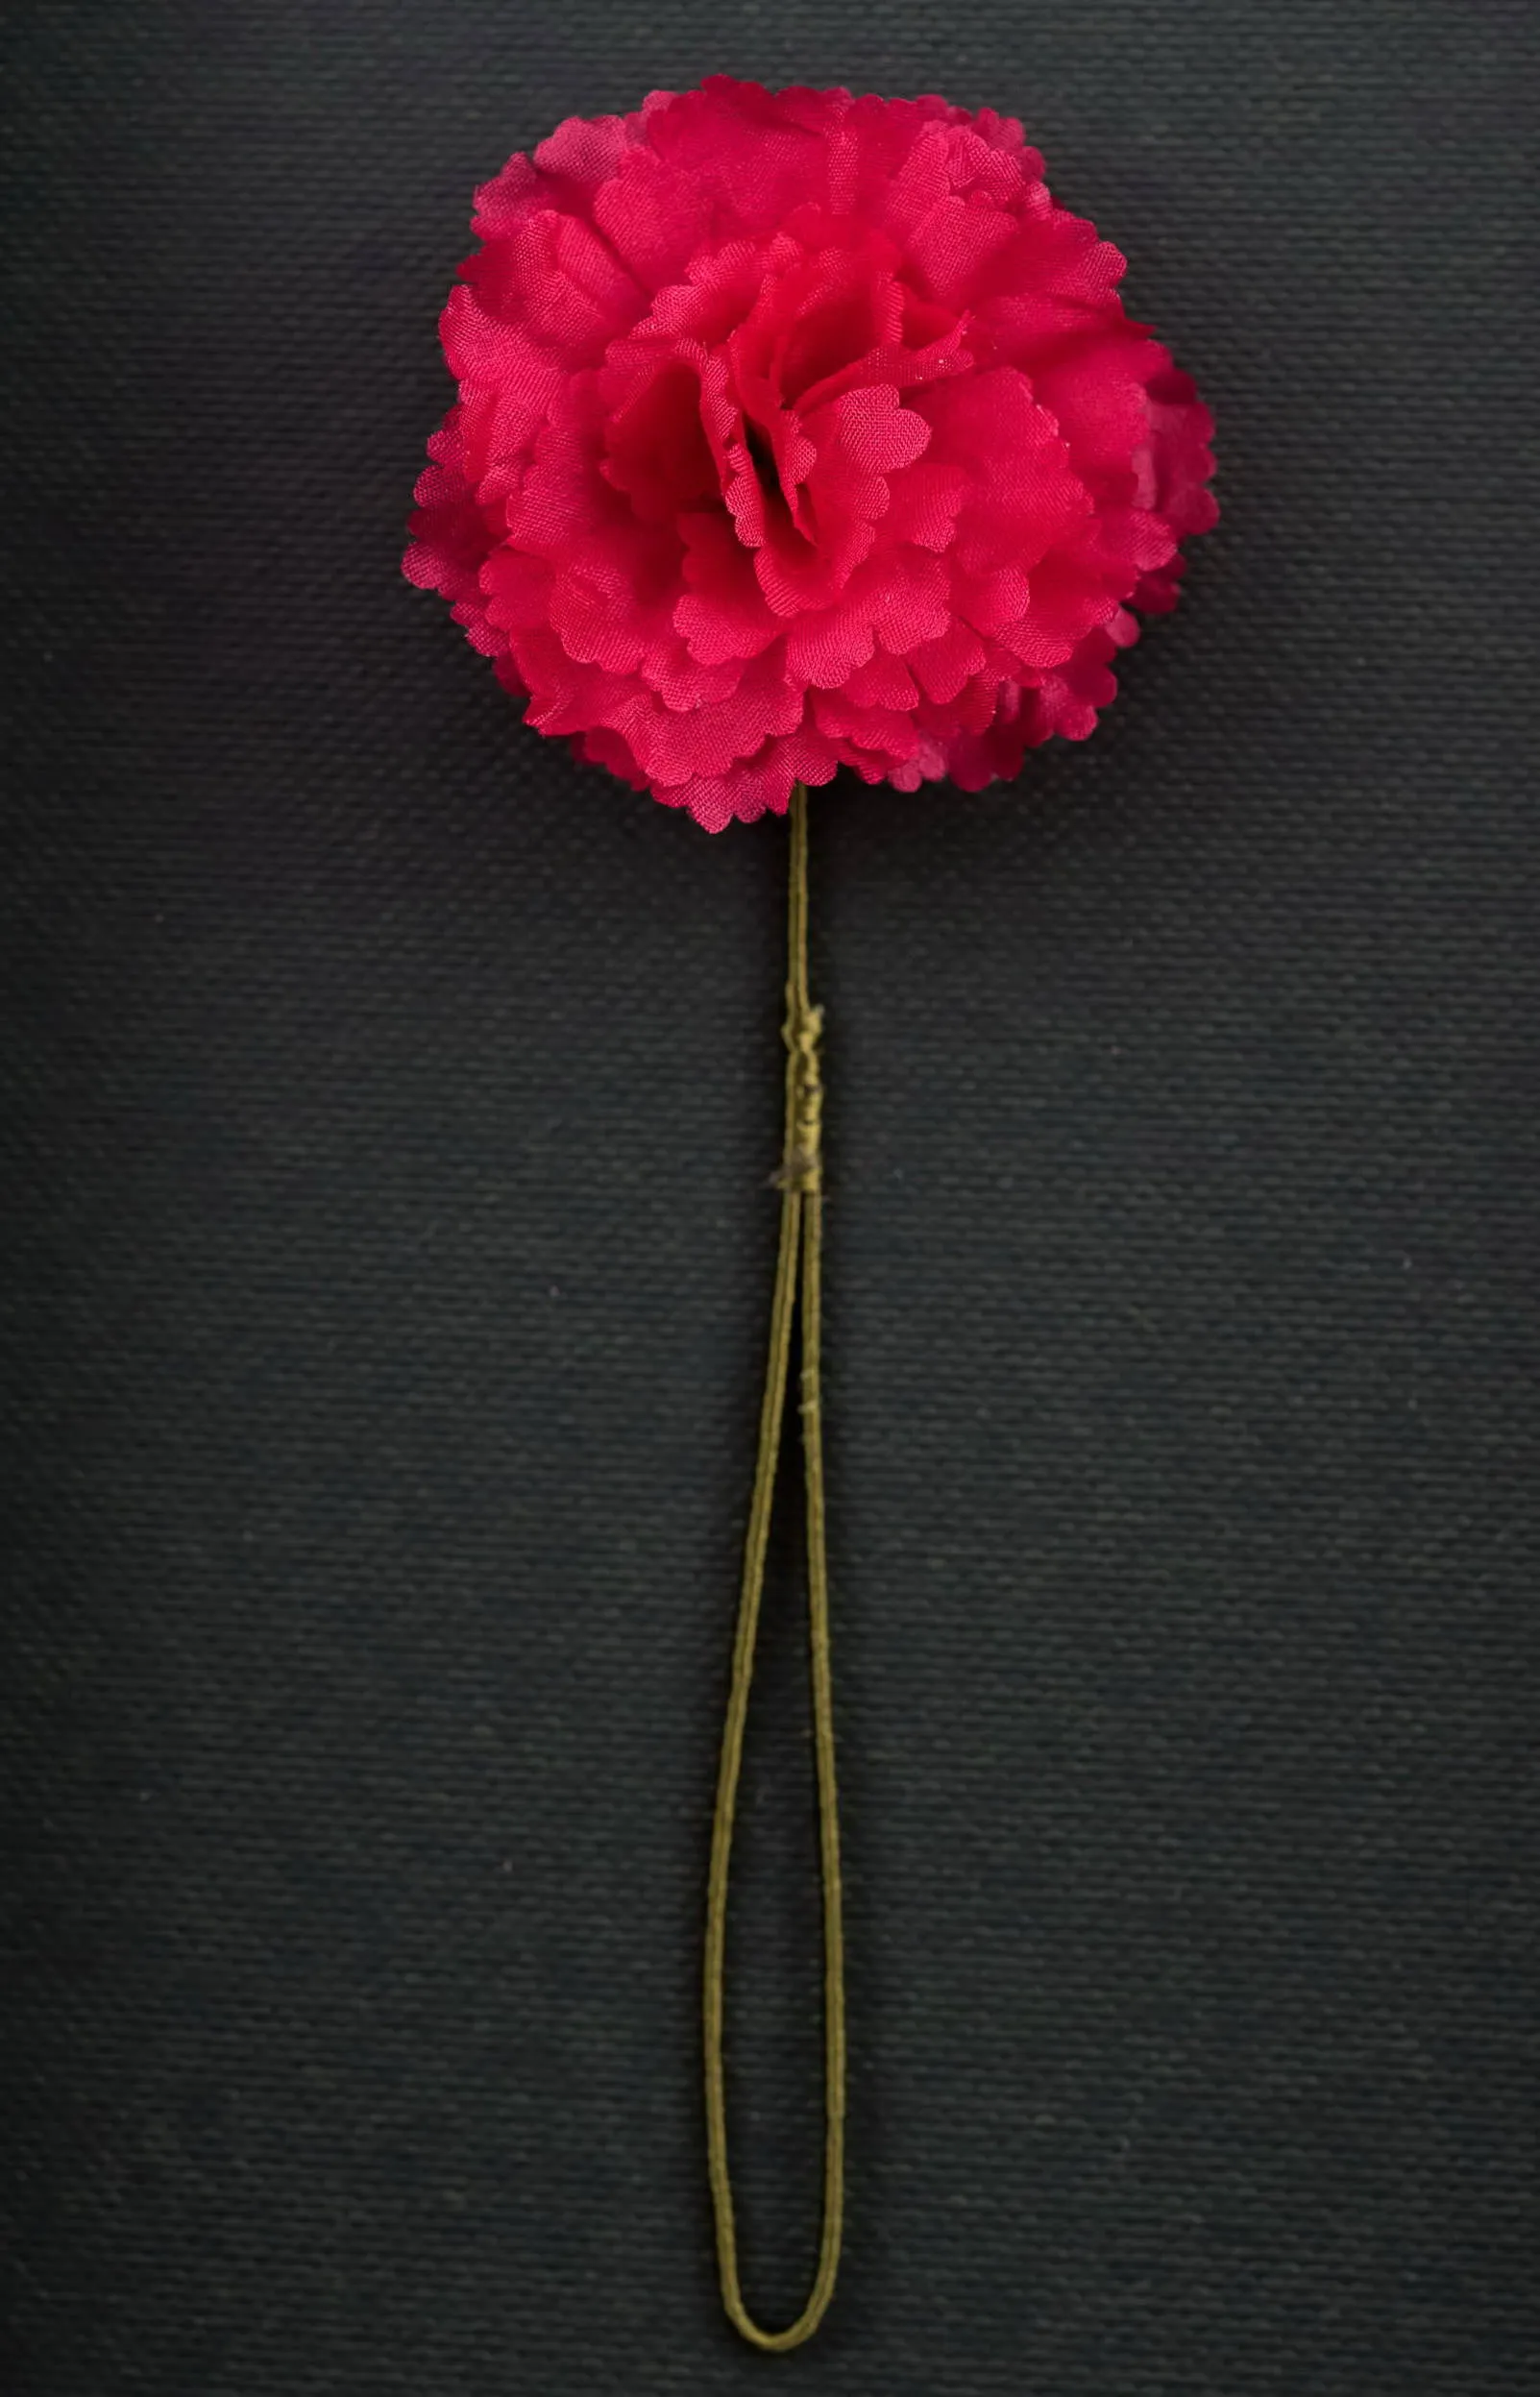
798	1279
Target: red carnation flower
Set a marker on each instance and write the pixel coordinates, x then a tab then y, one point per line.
798	431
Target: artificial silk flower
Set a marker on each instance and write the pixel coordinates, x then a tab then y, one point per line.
797	431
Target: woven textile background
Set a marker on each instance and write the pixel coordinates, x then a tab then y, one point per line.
389	1110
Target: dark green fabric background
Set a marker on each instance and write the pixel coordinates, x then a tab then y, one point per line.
390	1109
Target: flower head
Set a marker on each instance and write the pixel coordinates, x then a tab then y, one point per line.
797	430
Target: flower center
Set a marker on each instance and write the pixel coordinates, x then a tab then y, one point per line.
756	441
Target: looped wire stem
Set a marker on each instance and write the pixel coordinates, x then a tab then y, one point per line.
798	1275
